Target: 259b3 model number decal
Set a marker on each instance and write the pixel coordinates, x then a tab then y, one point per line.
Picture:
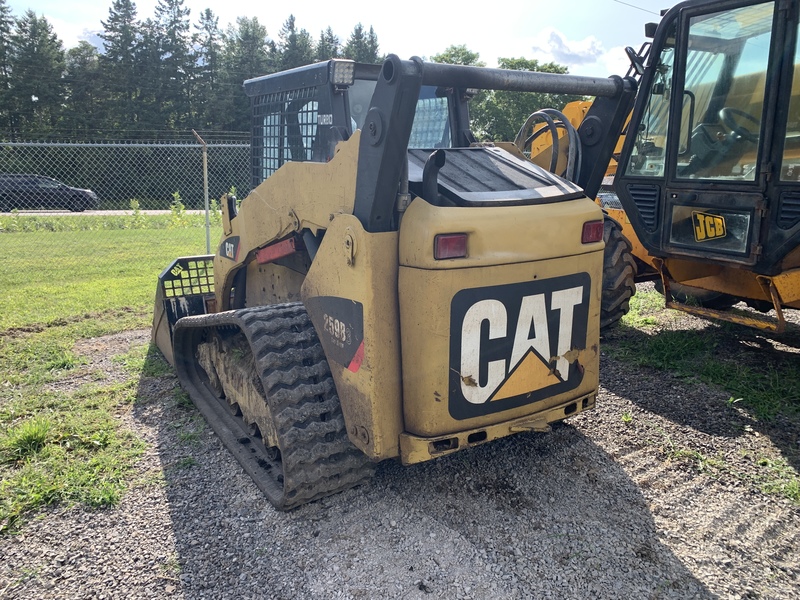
509	343
340	324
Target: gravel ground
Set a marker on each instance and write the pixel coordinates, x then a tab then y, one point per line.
607	505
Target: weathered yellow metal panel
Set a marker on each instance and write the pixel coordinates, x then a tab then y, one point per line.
415	449
362	267
272	284
511	234
426	297
300	195
518	261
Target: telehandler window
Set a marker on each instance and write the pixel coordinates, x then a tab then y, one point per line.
790	168
647	156
723	93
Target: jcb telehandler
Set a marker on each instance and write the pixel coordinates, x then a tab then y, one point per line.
709	172
708	182
390	288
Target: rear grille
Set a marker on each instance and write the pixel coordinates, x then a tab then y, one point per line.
646	198
789	212
188	276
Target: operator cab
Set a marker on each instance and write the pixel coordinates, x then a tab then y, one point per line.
710	143
301	114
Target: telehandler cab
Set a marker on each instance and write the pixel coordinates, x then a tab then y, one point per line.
390	289
707	187
708	175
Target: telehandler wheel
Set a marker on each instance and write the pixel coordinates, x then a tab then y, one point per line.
619	275
686	294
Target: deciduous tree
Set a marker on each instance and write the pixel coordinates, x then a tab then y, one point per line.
499	115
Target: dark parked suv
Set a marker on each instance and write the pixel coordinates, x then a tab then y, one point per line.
37	192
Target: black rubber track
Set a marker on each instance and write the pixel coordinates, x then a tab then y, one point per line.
619	275
315	457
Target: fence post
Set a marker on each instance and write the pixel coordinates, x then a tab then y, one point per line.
205	190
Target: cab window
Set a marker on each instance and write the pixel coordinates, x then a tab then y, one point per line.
722	100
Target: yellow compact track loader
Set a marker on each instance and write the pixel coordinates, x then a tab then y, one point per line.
390	289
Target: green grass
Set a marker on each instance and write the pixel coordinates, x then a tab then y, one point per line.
761	379
64	274
67	279
643	309
27	438
767	390
145	361
63	447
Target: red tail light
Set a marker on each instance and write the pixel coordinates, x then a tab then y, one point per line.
592	232
450	245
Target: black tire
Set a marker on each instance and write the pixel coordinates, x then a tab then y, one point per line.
619	275
5	204
686	294
317	458
78	204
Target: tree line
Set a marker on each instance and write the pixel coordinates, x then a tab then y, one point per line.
152	78
161	77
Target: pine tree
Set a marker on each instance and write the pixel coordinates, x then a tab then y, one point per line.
150	119
248	52
6	28
37	63
85	102
119	64
176	62
207	57
328	45
296	48
361	46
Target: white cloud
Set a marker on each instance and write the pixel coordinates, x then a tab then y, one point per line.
587	56
554	44
615	61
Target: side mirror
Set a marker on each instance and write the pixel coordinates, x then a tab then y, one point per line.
637	62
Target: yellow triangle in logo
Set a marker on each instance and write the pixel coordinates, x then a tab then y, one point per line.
531	373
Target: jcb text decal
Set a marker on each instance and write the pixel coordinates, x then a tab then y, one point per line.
514	344
229	248
707	227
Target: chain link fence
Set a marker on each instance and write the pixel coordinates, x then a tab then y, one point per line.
152	174
85	202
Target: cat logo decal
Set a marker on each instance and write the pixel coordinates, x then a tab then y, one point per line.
516	344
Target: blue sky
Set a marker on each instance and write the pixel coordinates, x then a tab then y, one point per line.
586	35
